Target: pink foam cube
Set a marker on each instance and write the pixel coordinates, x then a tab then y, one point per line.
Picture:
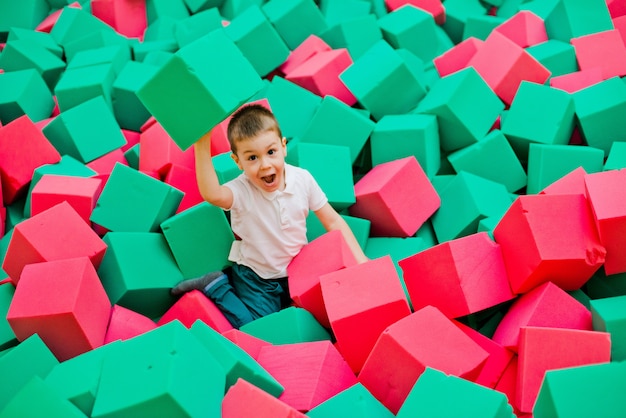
524	28
126	323
184	179
604	50
104	165
426	338
434	7
37	239
64	302
80	192
47	24
195	305
309	47
547	305
459	277
325	254
132	139
457	57
504	65
549	238
542	349
243	399
310	372
571	183
578	80
248	343
361	301
128	17
397	197
158	151
23	148
617	8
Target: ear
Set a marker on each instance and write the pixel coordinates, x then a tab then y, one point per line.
284	144
236	160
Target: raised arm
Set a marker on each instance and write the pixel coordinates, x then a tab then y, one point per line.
331	220
208	183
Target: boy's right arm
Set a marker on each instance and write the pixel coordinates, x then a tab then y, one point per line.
208	183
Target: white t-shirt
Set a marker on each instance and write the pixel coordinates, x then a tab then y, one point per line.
272	226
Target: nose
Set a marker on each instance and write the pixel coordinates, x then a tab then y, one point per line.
265	162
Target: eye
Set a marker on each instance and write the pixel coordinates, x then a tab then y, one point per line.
252	158
271	152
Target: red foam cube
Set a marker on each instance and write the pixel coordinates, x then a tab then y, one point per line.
37	239
524	28
434	7
128	17
397	197
325	254
546	305
457	57
604	50
195	305
104	165
309	47
459	277
184	179
577	80
361	302
23	148
549	238
310	372
243	399
426	338
571	183
64	302
126	323
158	151
248	343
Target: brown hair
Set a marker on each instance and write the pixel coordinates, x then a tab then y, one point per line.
249	121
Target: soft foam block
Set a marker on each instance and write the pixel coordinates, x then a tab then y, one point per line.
246	342
194	306
524	28
396	197
354	400
361	302
608	315
316	372
459	277
24	92
158	151
547	305
27	53
287	326
126	17
126	323
184	179
325	254
457	57
7	336
283	13
245	399
129	111
307	48
426	338
540	244
80	192
37	240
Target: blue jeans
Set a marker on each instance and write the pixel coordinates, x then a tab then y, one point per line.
246	296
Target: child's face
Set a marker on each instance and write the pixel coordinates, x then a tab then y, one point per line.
262	159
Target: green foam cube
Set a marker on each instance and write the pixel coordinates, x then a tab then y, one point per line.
288	326
457	14
360	228
164	372
538	114
80	84
116	55
159	50
24	92
353	401
22	54
571	18
493	158
356	34
617	156
398	136
138	271
196	6
609	315
234	360
175	9
129	111
480	27
453	100
225	167
548	163
337	11
200	239
250	29
441	395
382	81
132	201
94	40
43	39
464	202
75	23
85	132
601	285
7	336
557	56
196	26
189	95
162	29
295	20
25	14
600	111
132	156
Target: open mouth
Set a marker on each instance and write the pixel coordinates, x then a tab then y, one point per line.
269	179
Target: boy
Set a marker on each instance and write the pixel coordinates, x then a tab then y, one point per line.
268	205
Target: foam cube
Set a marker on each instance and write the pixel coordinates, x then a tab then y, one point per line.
546	305
75	22
457	57
307	48
24	93
36	239
570	19
80	192
598	110
82	83
174	94
353	400
383	82
426	338
138	272
193	306
452	100
435	8
557	56
86	131
132	201
396	197
157	151
283	14
399	136
246	342
184	179
126	17
7	336
23	148
196	232
514	65
23	54
606	202
524	28
608	315
539	244
434	389
193	27
468	276
165	371
129	111
549	163
542	349
126	323
617	157
309	265
572	182
104	165
317	372
27	16
361	302
288	326
245	399
357	33
480	198
578	80
538	114
163	8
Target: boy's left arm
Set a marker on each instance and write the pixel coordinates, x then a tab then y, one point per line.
331	221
